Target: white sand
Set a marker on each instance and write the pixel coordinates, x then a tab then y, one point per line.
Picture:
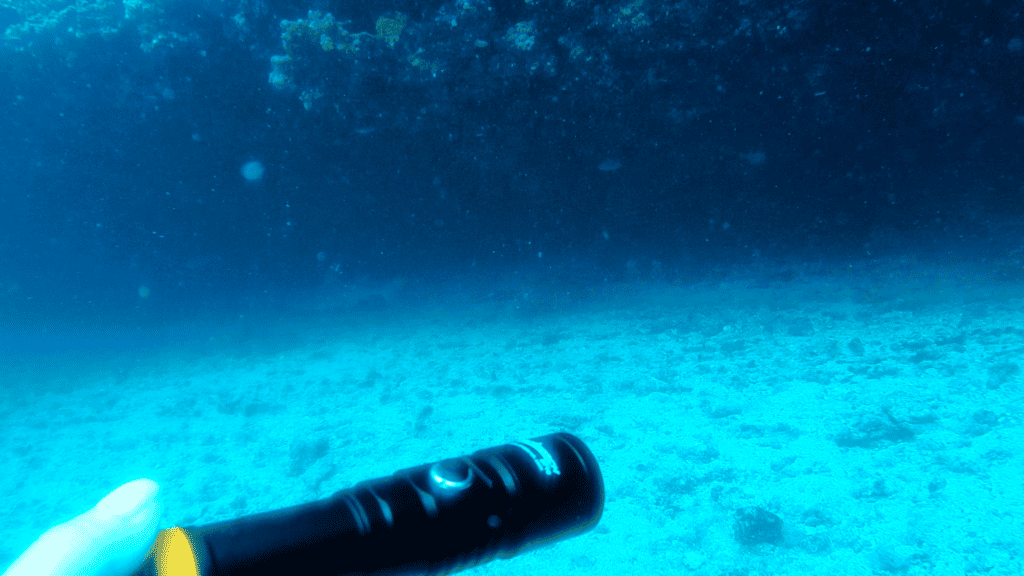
877	412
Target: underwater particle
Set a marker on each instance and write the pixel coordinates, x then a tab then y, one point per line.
609	165
144	292
252	170
522	35
757	526
755	158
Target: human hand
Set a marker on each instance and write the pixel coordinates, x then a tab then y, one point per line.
112	539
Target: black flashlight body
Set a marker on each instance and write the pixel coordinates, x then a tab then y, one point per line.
431	519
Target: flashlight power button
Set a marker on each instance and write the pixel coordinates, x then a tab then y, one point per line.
452	475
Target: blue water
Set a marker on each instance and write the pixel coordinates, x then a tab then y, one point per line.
763	258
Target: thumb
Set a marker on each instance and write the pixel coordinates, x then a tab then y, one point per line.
112	539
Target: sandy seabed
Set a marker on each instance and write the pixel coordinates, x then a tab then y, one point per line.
877	415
